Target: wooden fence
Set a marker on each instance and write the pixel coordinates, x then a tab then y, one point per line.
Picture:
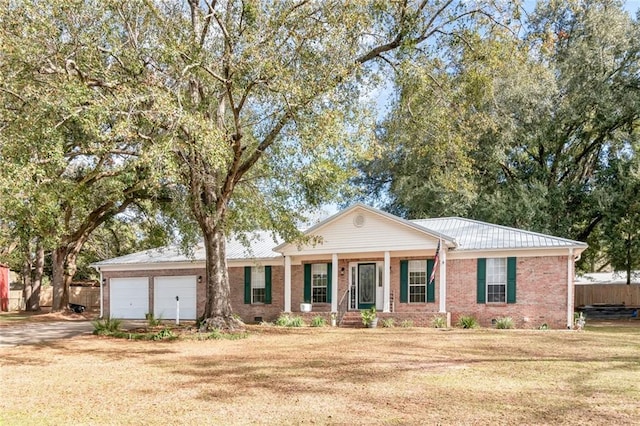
87	296
609	294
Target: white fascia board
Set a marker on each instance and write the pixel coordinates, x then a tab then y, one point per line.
267	261
360	250
290	249
163	266
515	252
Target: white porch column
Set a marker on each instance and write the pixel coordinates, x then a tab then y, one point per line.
386	283
287	283
443	278
334	282
570	290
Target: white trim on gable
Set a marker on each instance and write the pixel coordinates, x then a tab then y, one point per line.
362	229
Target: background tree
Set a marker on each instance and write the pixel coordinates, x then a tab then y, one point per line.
544	111
72	132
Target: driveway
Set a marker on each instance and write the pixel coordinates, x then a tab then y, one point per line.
34	333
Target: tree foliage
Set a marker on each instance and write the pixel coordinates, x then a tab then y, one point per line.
534	125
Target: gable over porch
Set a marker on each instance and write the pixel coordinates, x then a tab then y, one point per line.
361	252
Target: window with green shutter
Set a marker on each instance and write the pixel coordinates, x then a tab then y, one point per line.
307	283
414	285
497	280
257	284
481	280
404	281
318	282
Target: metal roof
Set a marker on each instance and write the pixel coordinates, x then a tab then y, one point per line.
465	234
255	245
476	235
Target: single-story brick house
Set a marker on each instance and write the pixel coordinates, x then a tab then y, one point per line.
363	257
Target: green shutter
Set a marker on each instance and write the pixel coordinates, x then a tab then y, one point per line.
404	281
307	283
267	285
482	280
431	287
247	285
511	280
329	275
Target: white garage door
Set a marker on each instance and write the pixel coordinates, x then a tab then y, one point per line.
129	297
165	290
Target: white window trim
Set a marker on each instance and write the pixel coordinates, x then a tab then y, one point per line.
258	281
419	266
319	270
495	281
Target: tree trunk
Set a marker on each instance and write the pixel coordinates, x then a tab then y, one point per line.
218	311
33	302
27	288
60	291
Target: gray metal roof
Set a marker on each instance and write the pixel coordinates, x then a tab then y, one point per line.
476	235
467	234
256	245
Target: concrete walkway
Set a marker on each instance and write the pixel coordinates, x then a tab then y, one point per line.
34	333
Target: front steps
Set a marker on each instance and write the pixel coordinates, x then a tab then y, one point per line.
352	319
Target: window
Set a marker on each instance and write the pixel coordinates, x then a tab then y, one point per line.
417	281
319	283
258	288
496	280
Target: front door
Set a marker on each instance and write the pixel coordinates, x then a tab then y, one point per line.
366	285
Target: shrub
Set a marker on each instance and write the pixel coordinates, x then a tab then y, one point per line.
164	334
467	321
504	323
388	323
296	322
368	316
283	320
151	320
406	324
106	326
288	321
439	322
318	321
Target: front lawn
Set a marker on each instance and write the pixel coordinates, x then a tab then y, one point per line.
330	376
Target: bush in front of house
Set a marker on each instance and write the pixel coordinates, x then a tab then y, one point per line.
388	322
318	321
106	326
504	323
439	322
406	324
467	321
285	320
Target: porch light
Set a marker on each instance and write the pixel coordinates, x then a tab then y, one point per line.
199	279
342	271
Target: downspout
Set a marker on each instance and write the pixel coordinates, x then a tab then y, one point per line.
101	295
570	295
443	277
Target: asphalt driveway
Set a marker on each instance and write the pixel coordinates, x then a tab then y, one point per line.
34	333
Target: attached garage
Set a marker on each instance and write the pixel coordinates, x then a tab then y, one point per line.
129	297
165	291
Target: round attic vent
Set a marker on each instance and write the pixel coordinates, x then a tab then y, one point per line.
358	221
